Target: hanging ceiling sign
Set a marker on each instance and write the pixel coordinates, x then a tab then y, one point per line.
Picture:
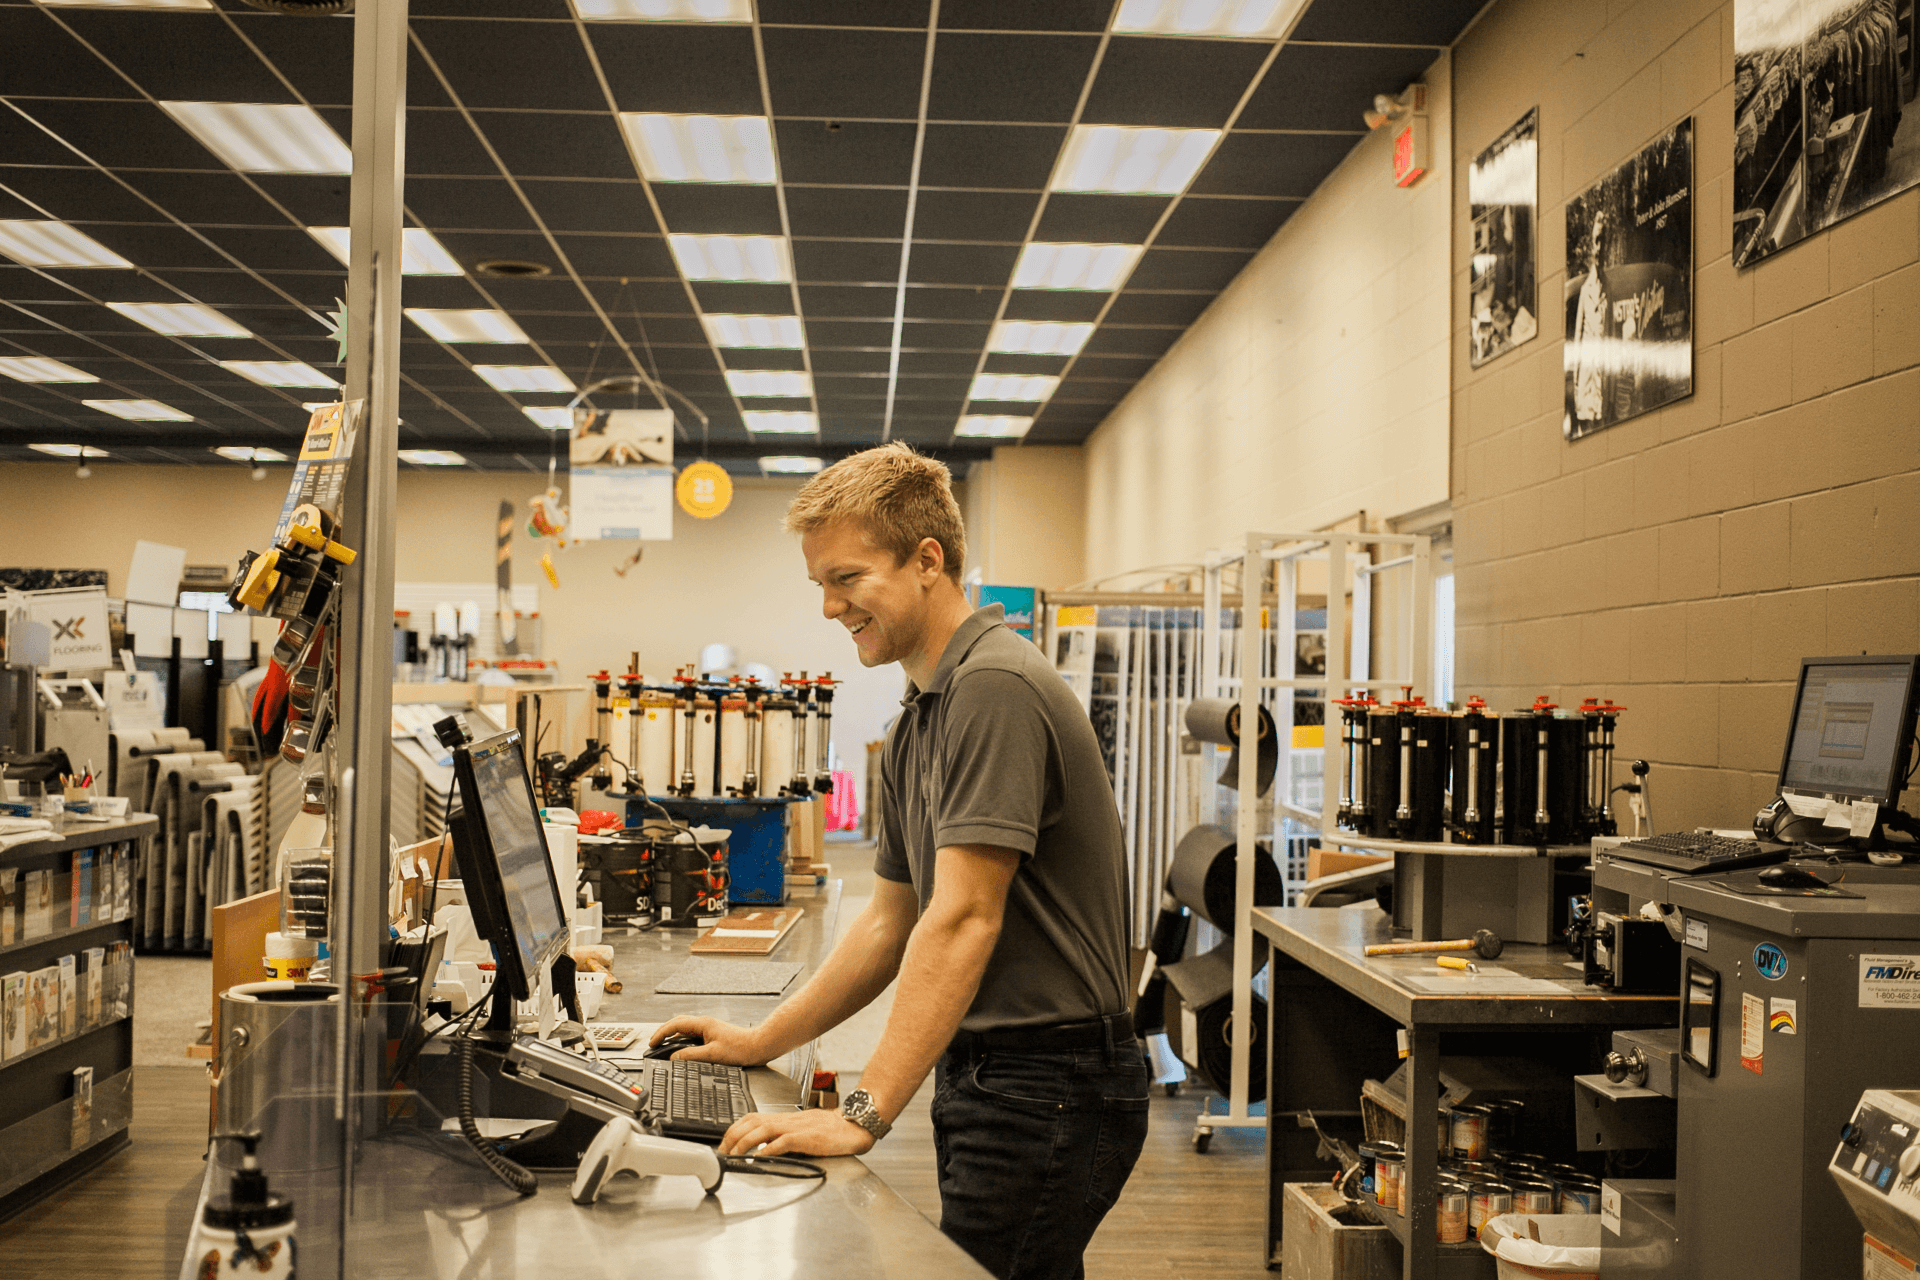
621	484
704	489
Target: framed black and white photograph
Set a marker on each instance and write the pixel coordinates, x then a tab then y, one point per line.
1629	290
1824	125
1503	187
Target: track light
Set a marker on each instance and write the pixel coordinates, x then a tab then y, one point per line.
83	471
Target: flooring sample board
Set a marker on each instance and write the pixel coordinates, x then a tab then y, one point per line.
705	977
750	932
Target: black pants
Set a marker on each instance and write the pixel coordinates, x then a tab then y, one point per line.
1033	1150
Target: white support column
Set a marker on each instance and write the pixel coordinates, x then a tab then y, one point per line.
1339	671
1252	637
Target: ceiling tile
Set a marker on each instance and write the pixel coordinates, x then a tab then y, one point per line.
1188	269
481	204
748	358
696	68
1170	83
116	134
487	64
317	57
1079	217
928	303
948	364
43	60
855	153
1006	362
1129	368
1434	22
845	261
548	329
1273	164
1131	342
1007	77
830	361
973	215
265	249
841	301
318	200
1328	86
609	255
817	211
639	331
945	335
846	13
317	291
470	247
1018	15
971	155
82	195
440	141
1054	304
649	297
976	264
149	48
1226	224
161	247
823	333
863	74
590	206
1179	309
719	209
206	197
535	145
744	298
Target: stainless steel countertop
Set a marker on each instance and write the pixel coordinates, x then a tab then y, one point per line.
1888	905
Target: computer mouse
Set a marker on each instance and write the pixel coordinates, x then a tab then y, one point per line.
673	1044
1790	877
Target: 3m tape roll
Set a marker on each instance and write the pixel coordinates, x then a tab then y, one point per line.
1203	872
1217	720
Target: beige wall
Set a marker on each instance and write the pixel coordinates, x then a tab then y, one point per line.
1685	561
1314	387
1026	513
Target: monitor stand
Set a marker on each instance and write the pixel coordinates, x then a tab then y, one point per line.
560	1144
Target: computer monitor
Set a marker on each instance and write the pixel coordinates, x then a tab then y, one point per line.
501	848
1851	736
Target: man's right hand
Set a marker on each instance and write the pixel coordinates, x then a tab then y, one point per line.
721	1041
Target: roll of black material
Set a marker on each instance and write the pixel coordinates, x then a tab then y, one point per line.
1203	871
1214	1050
1217	720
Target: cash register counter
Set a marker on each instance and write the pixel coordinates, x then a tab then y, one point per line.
424	1207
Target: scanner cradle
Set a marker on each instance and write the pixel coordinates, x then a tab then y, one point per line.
622	1147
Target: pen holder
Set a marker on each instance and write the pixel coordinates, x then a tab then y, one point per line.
78	795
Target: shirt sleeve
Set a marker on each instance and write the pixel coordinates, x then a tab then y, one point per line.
890	853
997	764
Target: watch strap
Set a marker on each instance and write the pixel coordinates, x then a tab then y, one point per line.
858	1107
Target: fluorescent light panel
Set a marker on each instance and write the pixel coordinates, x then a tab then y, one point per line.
1012	386
1096	267
524	377
70	450
41	369
789	465
1039	338
1241	19
432	458
420	253
1107	157
664	10
553	418
128	4
278	373
180	319
780	333
263	138
235	453
769	422
996	426
39	243
769	382
761	258
674	148
466	326
139	410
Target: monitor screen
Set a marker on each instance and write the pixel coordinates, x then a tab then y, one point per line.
1849	735
500	802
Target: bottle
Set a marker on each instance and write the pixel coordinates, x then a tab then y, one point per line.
310	828
251	1234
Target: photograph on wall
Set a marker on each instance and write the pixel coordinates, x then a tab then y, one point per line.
1503	187
1629	290
1824	124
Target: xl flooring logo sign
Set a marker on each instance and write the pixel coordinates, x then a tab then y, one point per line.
1890	982
77	621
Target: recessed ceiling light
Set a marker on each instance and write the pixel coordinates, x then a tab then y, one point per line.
139	410
128	4
664	10
769	422
40	369
732	257
773	332
553	418
1039	338
768	382
263	138
674	148
993	425
524	377
420	253
180	319
789	465
54	244
1011	386
1106	157
466	326
236	453
278	373
1245	19
432	458
70	450
1097	267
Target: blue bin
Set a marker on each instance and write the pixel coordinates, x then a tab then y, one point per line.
756	852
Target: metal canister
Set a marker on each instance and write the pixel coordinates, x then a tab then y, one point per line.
1450	1220
1389	1162
1470	1124
1471	1169
276	1071
1476	757
1369	1153
1508	1116
1532	1196
1489	1200
1579	1196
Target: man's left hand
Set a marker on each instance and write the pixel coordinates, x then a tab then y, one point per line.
816	1132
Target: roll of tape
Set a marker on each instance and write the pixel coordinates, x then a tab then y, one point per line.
1217	720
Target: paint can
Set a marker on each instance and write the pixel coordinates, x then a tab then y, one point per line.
1579	1196
1470	1125
1452	1211
1534	1197
1389	1162
1490	1200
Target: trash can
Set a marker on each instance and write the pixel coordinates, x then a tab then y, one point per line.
1529	1246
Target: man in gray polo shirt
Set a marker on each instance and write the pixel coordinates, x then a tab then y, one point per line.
1000	902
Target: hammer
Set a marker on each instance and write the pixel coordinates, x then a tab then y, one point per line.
1484	941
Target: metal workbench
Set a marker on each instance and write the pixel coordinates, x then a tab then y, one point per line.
424	1207
1333	1014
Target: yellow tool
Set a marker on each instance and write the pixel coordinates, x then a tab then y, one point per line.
1455	962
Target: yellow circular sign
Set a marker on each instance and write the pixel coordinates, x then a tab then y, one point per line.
704	489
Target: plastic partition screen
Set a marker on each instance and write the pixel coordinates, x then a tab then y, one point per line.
509	856
1852	728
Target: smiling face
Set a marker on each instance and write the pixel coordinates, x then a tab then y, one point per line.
887	608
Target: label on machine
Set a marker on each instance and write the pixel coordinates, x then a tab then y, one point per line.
1753	1032
1890	981
1880	1262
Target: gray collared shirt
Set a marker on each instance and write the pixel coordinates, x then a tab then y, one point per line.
996	750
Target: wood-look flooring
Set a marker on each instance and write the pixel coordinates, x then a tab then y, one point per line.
1182	1215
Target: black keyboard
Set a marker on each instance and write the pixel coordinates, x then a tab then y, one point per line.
696	1100
1697	853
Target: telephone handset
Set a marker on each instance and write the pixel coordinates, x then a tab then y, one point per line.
568	1076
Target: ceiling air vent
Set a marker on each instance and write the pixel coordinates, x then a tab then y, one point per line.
511	269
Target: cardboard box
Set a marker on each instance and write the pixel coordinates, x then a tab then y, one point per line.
1331	862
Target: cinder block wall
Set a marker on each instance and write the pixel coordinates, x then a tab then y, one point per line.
1684	562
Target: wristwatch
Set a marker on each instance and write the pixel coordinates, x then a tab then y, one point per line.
858	1107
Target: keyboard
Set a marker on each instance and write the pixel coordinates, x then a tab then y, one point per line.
1695	853
695	1100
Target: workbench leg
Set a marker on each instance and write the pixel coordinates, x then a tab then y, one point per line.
1422	1168
1276	1160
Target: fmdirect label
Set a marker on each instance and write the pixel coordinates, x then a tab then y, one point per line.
1890	982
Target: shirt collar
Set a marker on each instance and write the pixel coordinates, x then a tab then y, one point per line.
968	634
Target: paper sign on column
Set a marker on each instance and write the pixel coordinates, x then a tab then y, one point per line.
190	628
151	627
154	576
236	634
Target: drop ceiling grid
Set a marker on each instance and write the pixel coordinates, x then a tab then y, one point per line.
991	145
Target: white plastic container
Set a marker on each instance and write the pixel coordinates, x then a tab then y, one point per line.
1567	1247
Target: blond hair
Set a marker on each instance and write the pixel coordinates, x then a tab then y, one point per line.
895	495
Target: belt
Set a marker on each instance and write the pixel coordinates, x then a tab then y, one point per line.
1060	1037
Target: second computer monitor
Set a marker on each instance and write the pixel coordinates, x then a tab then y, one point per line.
1852	728
501	846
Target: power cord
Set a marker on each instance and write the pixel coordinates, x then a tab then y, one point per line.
774	1167
519	1178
